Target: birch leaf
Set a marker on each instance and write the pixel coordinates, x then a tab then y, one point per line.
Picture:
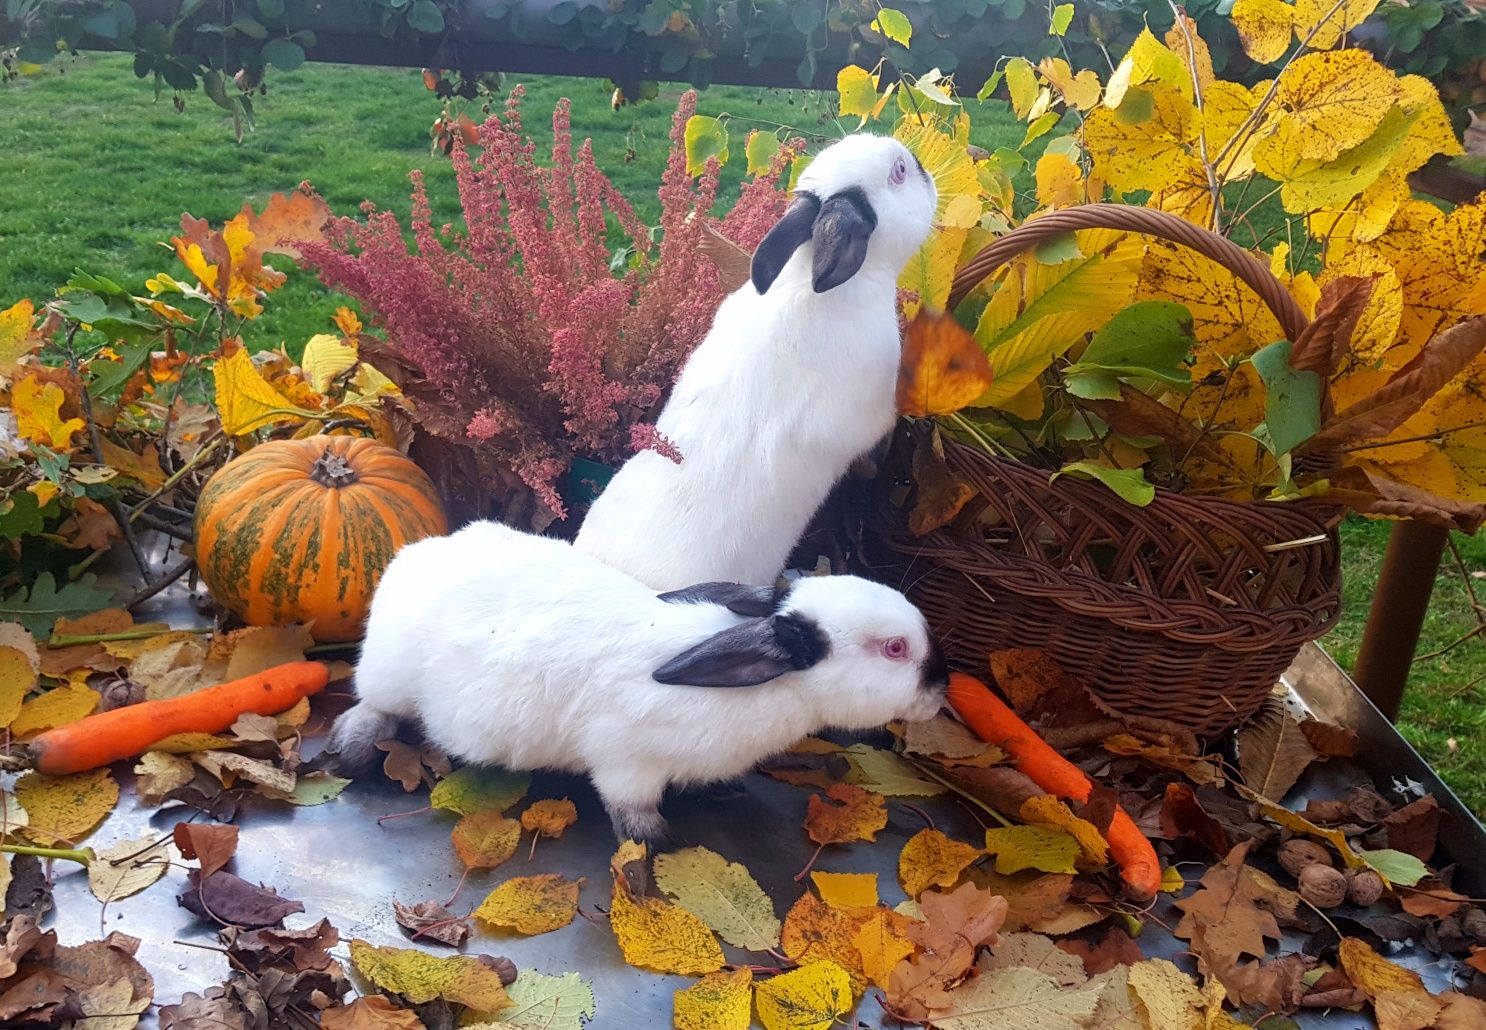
721	894
127	868
531	904
718	1001
542	1002
809	998
930	859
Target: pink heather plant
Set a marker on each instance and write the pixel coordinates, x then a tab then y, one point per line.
515	340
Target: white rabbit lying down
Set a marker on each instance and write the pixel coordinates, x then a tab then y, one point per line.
516	650
793	382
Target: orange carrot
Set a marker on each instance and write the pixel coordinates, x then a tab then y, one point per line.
126	732
997	724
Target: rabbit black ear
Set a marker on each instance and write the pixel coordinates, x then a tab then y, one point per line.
842	231
736	597
748	654
783	240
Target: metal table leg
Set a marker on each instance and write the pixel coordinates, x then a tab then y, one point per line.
1397	615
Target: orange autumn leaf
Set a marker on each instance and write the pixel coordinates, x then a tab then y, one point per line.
549	817
930	859
485	839
942	369
814	931
856	814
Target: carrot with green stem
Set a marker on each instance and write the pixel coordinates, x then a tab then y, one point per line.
997	724
106	737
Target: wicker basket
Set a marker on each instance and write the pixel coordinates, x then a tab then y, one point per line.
1186	610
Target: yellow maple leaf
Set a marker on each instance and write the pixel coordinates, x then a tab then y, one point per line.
718	1001
1138	145
245	400
1264	28
325	357
37	409
531	904
809	998
930	859
66	808
846	890
1324	105
57	707
1321	24
483	840
16	335
420	977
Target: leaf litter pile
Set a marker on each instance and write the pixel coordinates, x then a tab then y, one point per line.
1278	911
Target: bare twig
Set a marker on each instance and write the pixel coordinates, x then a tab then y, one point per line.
172	574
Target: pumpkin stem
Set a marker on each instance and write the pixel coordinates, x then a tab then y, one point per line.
333	471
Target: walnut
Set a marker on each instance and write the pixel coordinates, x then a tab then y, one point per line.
1323	886
1296	855
1364	887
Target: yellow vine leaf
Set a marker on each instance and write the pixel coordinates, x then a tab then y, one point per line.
57	707
1042	310
531	904
1059	181
485	839
65	808
420	977
245	400
722	894
1323	23
1326	104
718	1001
809	998
1032	847
1264	28
930	859
37	406
1139	146
325	357
1047	810
846	890
882	942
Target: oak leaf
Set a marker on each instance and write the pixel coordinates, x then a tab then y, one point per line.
856	814
812	997
1234	908
846	890
722	894
942	368
484	839
930	859
420	977
549	816
954	925
531	904
36	407
718	1001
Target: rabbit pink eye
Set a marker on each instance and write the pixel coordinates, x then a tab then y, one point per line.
895	648
899	172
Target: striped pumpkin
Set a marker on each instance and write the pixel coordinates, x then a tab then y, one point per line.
296	530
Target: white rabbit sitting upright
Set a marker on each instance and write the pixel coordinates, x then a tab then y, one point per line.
794	381
515	650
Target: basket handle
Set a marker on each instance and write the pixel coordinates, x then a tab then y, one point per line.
1145	220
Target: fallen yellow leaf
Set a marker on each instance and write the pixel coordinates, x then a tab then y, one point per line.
718	1001
531	904
809	998
65	808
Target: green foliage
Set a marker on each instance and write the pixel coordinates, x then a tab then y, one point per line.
1292	401
42	604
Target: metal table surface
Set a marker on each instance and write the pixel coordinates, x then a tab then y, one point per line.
343	865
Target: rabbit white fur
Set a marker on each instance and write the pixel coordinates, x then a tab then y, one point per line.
793	382
515	650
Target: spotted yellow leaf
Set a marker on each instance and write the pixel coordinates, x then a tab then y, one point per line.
1032	847
1046	810
1326	104
1310	185
812	997
20	664
57	707
930	859
1140	146
655	934
531	904
722	894
549	816
485	839
882	942
1321	24
1264	28
718	1001
1059	181
420	977
857	88
65	808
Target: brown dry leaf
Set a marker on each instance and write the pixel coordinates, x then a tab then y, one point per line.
1115	948
372	1012
939	495
856	815
1405	1010
930	859
1460	1012
1182	815
429	920
1031	900
942	368
531	904
954	925
1323	344
1273	751
949	742
1201	770
127	868
1235	909
1414	829
1328	739
1026	675
1278	985
485	839
229	767
549	817
213	845
814	931
1037	952
1432	902
404	765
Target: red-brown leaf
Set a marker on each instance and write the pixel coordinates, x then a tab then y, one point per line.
213	845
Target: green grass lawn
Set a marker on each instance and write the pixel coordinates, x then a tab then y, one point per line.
98	174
